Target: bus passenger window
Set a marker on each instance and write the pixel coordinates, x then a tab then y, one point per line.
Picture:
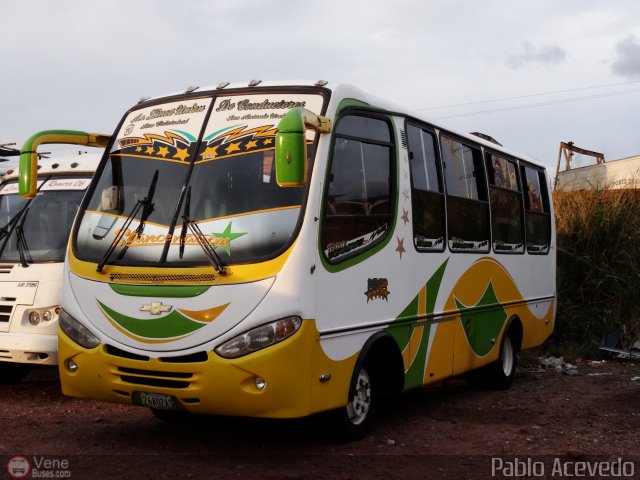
357	206
506	205
538	211
467	205
427	199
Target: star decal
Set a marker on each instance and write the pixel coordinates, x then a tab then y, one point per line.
234	147
400	248
268	141
181	154
227	237
163	151
138	149
251	144
210	152
405	216
406	194
150	150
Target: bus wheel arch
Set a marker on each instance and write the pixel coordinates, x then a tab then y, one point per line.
515	330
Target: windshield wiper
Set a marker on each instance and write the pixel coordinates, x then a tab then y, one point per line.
185	223
23	249
207	248
6	230
147	206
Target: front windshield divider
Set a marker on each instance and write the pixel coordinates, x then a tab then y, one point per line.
183	191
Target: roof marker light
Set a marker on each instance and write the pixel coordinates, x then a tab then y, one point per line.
74	164
10	171
321	83
221	85
254	83
191	89
143	99
55	165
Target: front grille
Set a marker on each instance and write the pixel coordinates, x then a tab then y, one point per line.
5	310
154	378
192	358
137	371
197	357
154	382
162	279
116	352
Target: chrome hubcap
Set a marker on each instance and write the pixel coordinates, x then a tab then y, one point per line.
360	403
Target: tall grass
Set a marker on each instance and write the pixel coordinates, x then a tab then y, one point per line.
598	267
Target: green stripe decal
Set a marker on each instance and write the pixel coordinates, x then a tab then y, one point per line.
482	326
415	373
170	326
160	291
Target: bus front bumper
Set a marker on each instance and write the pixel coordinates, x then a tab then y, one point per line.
280	381
29	348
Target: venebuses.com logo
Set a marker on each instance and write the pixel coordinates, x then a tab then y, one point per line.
38	467
18	467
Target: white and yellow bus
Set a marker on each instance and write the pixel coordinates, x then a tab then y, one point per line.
33	243
283	249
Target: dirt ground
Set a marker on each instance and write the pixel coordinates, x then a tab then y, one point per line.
451	431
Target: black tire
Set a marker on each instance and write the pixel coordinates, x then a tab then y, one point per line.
352	422
12	373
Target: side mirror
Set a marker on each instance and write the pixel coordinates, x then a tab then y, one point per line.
28	176
291	145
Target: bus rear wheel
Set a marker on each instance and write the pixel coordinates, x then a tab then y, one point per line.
502	371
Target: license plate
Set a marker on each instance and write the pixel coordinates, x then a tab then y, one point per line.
160	401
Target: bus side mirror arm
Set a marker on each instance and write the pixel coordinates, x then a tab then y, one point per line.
291	145
28	167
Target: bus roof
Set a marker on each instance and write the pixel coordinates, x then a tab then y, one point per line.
63	165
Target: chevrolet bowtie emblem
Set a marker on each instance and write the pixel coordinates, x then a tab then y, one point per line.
155	308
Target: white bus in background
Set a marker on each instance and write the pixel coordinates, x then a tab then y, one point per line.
33	241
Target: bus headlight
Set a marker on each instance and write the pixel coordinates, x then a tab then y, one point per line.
34	318
259	338
77	332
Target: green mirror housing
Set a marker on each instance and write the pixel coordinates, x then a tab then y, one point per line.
291	145
28	166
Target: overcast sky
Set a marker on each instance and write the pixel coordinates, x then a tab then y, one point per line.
79	64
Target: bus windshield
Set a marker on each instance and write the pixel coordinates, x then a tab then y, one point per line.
206	162
43	223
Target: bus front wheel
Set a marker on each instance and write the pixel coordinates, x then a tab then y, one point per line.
11	373
352	421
